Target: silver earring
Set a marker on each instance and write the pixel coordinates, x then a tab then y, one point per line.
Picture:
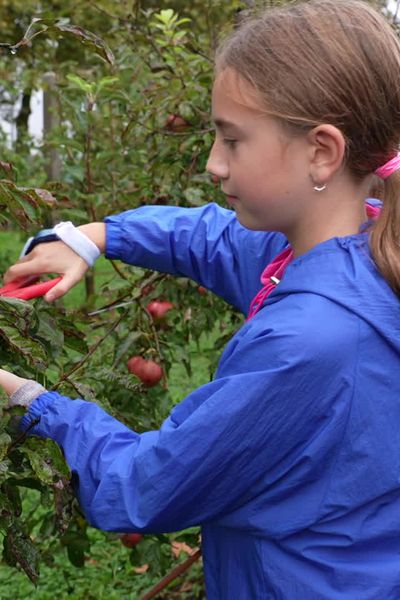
318	188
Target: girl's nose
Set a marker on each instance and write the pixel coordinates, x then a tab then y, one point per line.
216	164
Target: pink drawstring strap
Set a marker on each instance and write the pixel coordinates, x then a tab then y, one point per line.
270	277
274	272
389	168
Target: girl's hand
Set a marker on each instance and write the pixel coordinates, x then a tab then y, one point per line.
57	257
53	257
10	382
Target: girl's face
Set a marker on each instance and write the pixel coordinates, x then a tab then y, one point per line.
263	171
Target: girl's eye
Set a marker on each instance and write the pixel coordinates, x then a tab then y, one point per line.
229	142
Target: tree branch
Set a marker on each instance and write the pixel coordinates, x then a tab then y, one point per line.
176	571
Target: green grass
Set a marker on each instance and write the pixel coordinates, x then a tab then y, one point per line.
107	575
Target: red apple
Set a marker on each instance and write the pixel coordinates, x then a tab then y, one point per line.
159	308
148	371
202	290
176	123
130	540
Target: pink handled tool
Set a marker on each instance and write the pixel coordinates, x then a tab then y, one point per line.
19	289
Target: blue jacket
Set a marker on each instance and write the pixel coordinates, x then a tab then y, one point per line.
290	458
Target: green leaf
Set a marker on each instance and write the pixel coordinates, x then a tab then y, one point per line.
77	543
46	460
126	345
6	512
194	196
23	206
4	469
17	324
166	16
30	331
19	549
5	441
7	168
28	482
83	85
48	332
73	337
64	499
88	38
14	497
106	82
65	28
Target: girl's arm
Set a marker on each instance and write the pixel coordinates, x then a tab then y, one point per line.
248	433
11	383
206	244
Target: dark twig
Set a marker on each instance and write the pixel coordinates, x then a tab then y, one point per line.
176	571
21	438
117	303
118	270
91	351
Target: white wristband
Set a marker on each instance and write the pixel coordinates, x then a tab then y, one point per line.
77	241
26	394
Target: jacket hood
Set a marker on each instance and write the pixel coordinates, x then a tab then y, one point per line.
343	271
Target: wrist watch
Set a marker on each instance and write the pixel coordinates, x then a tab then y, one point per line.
44	236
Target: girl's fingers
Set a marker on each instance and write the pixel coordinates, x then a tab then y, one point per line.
58	291
33	291
23	269
17	284
66	283
54	257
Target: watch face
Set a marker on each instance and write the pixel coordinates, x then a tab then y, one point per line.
43	233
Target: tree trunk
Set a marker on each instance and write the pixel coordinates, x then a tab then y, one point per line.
21	120
51	121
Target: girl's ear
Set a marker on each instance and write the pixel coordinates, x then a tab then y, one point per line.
327	148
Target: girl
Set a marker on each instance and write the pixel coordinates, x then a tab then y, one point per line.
289	459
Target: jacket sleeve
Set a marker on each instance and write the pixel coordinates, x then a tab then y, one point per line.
206	244
279	408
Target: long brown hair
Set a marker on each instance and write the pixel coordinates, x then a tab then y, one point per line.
337	62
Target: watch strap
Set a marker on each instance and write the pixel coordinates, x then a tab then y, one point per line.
66	232
44	236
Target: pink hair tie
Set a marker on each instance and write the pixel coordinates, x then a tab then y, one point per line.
389	168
